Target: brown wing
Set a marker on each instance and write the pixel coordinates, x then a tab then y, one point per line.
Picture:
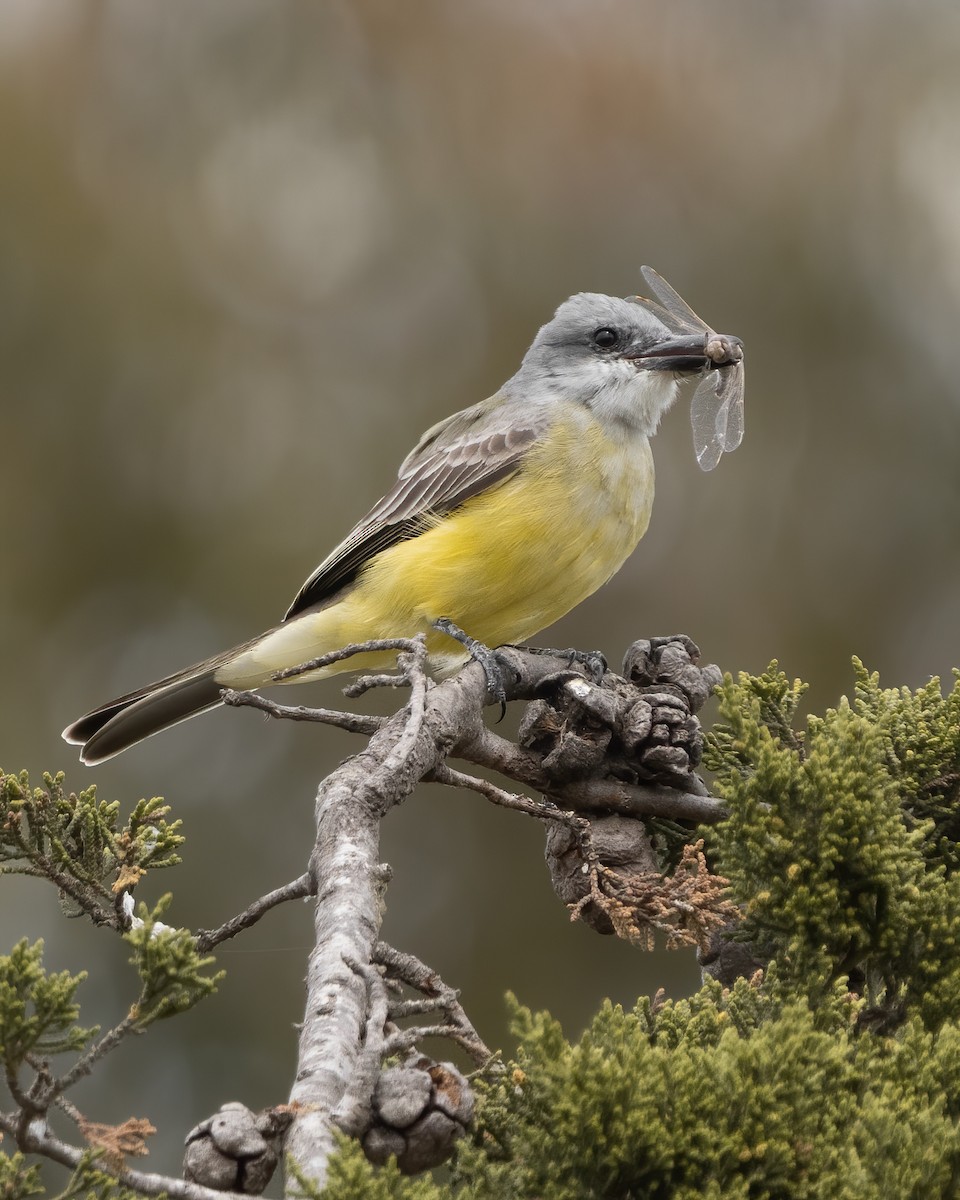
459	458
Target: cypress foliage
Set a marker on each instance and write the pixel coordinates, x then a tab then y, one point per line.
832	1075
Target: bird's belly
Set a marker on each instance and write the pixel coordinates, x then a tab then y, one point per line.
509	562
518	557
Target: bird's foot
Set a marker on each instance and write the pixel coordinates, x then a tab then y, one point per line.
487	658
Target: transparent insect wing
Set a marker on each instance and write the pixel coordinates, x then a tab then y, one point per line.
658	311
672	303
716	411
705	416
731	391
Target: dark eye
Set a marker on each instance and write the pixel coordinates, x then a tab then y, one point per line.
606	338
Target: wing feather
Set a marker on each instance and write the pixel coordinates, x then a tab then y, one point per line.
455	460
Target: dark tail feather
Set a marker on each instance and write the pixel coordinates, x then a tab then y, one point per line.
119	724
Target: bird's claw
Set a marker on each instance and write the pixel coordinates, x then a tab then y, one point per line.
488	659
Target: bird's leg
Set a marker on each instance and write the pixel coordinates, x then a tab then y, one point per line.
487	658
592	661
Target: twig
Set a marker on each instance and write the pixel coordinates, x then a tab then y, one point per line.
487	749
413	665
351	722
85	1064
482	746
375	646
400	1009
26	1102
544	810
640	800
402	1040
595	895
296	889
67	1106
81	891
42	1087
36	1138
365	683
408	969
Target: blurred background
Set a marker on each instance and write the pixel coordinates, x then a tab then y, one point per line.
249	249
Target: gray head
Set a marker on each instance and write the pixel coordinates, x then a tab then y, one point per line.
614	356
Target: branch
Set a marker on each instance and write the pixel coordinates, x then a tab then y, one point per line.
487	749
375	646
351	722
525	676
296	889
36	1138
586	741
407	969
85	894
342	1026
351	803
85	1064
543	810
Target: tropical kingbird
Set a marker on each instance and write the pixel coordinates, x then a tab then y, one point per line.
503	517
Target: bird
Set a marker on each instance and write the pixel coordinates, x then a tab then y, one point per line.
503	518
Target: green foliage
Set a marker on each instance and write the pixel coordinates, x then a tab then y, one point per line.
351	1175
92	1183
833	846
729	1094
77	842
832	1075
172	973
920	736
773	701
836	1074
37	1009
18	1180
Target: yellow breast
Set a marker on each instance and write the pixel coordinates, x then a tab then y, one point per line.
505	565
518	557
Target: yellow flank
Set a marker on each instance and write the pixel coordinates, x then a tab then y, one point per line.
505	565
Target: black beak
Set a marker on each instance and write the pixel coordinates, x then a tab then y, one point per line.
690	353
